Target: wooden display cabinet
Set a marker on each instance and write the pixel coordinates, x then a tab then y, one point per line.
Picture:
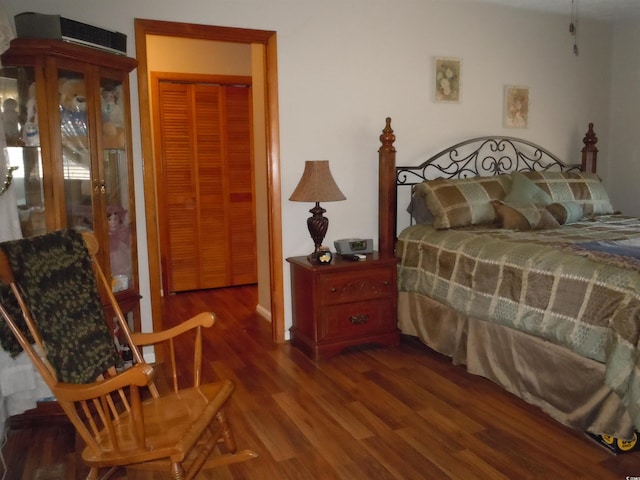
67	121
342	304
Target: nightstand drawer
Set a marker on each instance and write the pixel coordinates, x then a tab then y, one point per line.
357	320
356	286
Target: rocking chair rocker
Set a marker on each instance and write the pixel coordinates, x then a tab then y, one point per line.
50	301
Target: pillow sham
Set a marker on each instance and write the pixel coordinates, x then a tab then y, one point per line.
566	212
585	189
461	202
523	216
524	190
418	206
510	218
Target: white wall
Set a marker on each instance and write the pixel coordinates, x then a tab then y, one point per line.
622	167
344	66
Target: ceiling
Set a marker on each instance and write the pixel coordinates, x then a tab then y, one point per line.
607	10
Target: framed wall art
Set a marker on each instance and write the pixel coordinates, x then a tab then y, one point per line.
447	79
516	106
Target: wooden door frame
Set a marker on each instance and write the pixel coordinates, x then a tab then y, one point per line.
267	38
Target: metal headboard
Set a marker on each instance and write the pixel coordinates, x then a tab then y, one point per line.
483	156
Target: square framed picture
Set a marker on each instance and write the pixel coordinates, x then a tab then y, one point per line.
516	106
447	79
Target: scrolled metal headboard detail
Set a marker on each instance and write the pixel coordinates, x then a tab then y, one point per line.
482	156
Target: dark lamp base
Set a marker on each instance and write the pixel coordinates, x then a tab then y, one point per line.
317	225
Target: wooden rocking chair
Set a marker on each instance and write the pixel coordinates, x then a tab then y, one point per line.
51	304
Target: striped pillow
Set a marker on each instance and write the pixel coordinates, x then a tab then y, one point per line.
530	216
461	202
585	189
565	212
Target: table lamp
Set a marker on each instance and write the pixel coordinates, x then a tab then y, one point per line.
317	185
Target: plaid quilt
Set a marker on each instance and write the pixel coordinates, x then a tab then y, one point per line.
536	282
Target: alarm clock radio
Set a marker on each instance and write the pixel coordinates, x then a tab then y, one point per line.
351	246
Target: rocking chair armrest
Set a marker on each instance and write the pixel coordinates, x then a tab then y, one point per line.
204	319
140	375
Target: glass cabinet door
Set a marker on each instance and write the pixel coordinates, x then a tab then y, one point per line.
115	182
20	121
76	155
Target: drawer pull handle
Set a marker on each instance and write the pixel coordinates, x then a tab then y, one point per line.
334	289
359	319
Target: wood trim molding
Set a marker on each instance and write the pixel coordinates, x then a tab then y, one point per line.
274	189
145	27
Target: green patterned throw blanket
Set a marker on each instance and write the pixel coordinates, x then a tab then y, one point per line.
57	281
8	341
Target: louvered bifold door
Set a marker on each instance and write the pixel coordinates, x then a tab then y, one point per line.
207	193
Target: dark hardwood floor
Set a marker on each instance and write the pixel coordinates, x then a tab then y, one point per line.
369	413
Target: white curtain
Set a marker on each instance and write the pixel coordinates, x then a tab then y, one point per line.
20	385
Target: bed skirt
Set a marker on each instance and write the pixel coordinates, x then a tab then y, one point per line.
567	387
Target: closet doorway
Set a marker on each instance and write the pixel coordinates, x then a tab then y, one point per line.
269	248
204	162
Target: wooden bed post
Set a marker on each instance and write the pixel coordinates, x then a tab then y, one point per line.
589	151
386	192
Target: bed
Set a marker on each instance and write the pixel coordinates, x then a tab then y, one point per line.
538	292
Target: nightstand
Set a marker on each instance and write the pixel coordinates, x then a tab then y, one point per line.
342	304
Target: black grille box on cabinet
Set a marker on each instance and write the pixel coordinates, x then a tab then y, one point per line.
55	27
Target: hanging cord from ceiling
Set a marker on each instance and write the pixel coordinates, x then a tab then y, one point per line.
573	26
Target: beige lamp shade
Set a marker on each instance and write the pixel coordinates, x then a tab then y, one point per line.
317	184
